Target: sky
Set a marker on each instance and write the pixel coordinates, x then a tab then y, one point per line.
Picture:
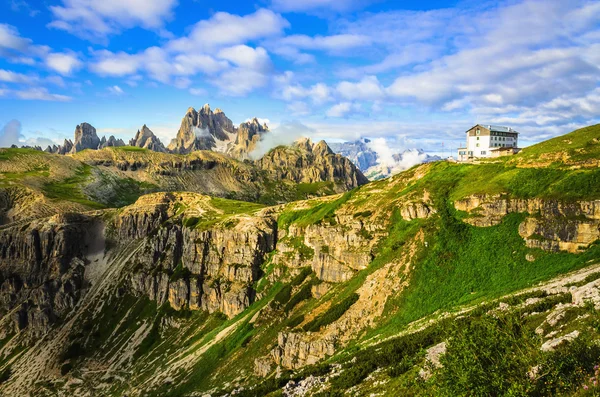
417	74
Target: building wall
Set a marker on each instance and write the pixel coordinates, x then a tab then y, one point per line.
481	140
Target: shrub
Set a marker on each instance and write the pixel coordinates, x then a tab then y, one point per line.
5	374
66	368
332	314
283	295
487	357
563	370
304	294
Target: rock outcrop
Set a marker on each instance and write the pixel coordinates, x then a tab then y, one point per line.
248	136
210	269
85	138
110	142
146	139
551	225
200	130
42	269
305	162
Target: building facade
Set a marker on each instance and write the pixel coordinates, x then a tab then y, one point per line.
489	141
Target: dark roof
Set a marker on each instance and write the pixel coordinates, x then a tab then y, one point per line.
494	128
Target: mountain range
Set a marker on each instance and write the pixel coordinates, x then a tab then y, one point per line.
377	165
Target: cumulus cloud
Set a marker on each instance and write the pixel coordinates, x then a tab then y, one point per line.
368	88
99	19
10	134
224	29
63	63
215	47
342	109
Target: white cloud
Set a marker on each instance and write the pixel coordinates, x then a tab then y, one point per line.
368	88
224	29
247	57
319	93
115	90
343	109
298	108
240	82
9	76
198	91
63	63
40	94
333	43
309	5
99	19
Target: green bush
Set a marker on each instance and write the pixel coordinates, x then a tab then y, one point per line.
5	374
563	370
331	315
283	295
487	357
304	294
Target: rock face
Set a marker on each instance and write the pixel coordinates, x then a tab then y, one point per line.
205	130
201	130
146	139
210	269
358	152
305	162
552	225
297	350
110	142
42	267
85	138
248	136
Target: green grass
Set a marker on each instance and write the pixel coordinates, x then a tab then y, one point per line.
11	153
7	178
332	314
129	149
323	212
579	145
70	189
465	264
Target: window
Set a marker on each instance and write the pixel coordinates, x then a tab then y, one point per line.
483	152
478	132
477	138
477	145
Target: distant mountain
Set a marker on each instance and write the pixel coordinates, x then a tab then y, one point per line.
208	130
146	139
374	165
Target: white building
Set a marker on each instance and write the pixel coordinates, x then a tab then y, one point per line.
489	141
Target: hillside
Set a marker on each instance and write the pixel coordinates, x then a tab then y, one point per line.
35	183
445	279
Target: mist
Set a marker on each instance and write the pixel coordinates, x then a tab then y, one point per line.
10	133
285	134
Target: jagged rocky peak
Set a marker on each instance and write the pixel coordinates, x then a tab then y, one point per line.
249	134
203	130
110	142
85	138
145	138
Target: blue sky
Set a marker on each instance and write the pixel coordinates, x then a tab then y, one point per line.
415	73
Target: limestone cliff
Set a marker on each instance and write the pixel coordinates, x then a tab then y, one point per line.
551	224
305	162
